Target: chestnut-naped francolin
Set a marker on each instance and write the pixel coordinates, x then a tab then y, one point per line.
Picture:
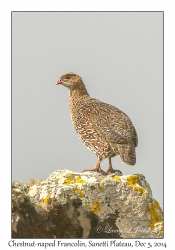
102	128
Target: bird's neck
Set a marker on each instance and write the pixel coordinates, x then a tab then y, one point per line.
78	94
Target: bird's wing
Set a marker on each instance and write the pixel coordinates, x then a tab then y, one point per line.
110	123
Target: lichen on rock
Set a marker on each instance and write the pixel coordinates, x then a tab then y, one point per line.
75	205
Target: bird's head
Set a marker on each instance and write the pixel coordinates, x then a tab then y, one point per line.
70	80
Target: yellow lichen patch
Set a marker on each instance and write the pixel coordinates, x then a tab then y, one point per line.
78	190
70	179
103	180
88	207
101	188
44	200
68	182
116	178
132	181
79	180
155	211
96	207
69	176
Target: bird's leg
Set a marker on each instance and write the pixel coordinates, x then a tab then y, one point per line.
111	170
97	168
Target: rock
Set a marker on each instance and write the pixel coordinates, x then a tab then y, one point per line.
86	205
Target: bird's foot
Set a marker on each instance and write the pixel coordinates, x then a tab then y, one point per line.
117	172
98	170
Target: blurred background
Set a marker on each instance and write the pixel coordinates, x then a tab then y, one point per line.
119	55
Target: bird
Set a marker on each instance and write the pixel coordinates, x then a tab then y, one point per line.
102	128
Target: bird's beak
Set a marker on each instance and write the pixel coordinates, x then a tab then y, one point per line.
58	82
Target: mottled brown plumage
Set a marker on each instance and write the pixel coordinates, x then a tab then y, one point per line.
102	128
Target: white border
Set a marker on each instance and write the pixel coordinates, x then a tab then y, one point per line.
5	95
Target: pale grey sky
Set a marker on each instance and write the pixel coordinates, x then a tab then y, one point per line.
119	55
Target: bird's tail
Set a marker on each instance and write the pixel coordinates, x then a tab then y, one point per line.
127	154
